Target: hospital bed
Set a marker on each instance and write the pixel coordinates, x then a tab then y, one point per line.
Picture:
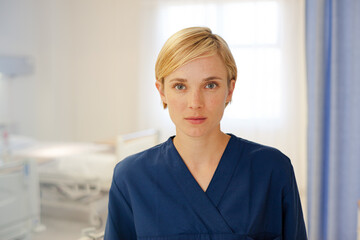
76	187
80	182
126	145
73	178
64	191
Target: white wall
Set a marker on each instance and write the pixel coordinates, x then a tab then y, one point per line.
150	109
86	54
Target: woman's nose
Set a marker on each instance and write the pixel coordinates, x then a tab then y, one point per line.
195	99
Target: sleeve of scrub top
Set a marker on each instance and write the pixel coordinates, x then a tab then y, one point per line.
293	225
120	221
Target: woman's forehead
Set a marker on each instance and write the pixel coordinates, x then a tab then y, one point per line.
203	68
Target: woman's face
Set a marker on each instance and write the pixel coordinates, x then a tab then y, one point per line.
196	94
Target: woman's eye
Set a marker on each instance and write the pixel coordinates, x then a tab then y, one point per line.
211	85
179	87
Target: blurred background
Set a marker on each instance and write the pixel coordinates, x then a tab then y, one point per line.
77	94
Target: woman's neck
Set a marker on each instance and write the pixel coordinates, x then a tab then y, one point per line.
201	151
202	155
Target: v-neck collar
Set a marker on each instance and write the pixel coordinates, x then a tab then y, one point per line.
223	173
204	204
221	177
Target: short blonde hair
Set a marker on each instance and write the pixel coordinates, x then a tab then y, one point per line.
189	44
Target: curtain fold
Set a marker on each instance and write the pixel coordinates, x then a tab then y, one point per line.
333	73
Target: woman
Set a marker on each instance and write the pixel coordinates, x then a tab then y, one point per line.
202	183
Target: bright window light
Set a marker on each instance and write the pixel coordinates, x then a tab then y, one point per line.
173	17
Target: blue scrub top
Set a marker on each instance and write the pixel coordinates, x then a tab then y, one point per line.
252	196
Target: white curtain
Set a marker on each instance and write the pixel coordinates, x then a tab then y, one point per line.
287	130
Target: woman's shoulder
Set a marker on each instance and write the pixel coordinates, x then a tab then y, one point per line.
265	162
139	160
139	164
260	154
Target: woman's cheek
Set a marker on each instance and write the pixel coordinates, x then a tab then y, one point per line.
217	101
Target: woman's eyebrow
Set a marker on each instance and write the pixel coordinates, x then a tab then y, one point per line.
212	78
178	80
205	79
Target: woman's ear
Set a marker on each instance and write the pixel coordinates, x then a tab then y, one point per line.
160	88
231	90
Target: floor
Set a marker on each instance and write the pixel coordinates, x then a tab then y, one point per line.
61	229
67	220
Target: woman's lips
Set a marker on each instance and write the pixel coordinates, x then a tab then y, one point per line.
195	120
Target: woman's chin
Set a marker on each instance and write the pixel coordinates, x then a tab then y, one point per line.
196	132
